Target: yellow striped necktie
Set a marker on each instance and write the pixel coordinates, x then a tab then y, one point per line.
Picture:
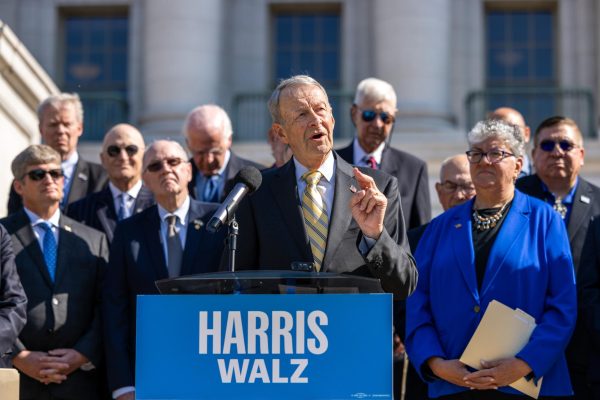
315	216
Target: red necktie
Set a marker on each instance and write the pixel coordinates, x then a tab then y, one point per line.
370	160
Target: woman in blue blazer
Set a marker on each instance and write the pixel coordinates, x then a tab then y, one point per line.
501	245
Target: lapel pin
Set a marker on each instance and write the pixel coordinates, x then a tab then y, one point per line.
198	224
68	228
82	176
585	199
458	226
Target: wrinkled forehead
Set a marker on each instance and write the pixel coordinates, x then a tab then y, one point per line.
301	95
159	152
122	138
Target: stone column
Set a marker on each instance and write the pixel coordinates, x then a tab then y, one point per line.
180	62
412	45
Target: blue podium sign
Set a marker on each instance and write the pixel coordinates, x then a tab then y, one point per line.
334	346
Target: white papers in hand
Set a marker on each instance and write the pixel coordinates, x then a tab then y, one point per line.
502	333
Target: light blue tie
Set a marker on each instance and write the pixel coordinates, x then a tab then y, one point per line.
211	189
122	212
49	244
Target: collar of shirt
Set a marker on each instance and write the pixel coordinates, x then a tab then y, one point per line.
567	200
133	192
359	153
181	224
68	166
36	220
327	184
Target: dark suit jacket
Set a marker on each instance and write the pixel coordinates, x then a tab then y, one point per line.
13	302
234	166
66	313
590	299
582	213
88	177
97	210
136	261
272	233
413	182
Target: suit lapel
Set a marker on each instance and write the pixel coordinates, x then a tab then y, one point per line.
285	193
582	205
67	241
193	239
79	181
389	163
106	213
25	235
340	214
154	245
462	246
509	234
144	200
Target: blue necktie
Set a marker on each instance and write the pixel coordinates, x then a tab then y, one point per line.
122	212
49	244
211	189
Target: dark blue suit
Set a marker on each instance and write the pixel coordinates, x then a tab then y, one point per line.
529	267
97	210
136	261
13	302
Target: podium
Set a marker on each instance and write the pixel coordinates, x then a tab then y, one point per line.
265	335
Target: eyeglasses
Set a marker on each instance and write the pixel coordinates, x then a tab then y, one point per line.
370	115
114	151
493	156
452	187
549	145
39	174
158	165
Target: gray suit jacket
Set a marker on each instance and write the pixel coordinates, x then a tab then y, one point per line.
272	233
66	313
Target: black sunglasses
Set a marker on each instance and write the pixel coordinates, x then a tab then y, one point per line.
370	115
158	165
114	151
39	174
549	145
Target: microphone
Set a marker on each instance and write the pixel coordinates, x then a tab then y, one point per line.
245	182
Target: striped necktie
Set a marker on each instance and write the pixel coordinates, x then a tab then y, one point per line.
315	216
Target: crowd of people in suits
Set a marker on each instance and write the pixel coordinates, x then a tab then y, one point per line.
82	240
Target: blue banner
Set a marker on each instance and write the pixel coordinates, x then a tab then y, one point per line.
333	346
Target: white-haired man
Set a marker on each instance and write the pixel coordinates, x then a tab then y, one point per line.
208	135
373	113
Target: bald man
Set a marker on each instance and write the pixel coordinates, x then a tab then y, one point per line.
208	135
455	185
514	117
125	195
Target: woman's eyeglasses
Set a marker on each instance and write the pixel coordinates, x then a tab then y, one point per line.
493	156
158	165
39	174
549	145
114	151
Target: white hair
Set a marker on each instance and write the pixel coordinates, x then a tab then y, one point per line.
375	90
498	129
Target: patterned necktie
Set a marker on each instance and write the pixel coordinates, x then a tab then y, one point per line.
211	189
559	207
315	216
370	161
174	248
122	212
49	249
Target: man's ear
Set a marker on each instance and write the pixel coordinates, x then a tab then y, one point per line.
353	112
18	185
280	132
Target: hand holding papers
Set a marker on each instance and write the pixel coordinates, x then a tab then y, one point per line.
501	334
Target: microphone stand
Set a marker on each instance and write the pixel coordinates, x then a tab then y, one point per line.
232	234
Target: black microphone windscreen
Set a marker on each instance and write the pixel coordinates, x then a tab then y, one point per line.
249	176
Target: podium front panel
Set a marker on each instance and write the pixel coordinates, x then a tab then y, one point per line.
327	346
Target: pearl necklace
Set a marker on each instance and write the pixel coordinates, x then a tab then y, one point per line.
483	223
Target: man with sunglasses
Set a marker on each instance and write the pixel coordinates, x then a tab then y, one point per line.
558	156
166	240
373	114
61	125
121	155
60	263
208	135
